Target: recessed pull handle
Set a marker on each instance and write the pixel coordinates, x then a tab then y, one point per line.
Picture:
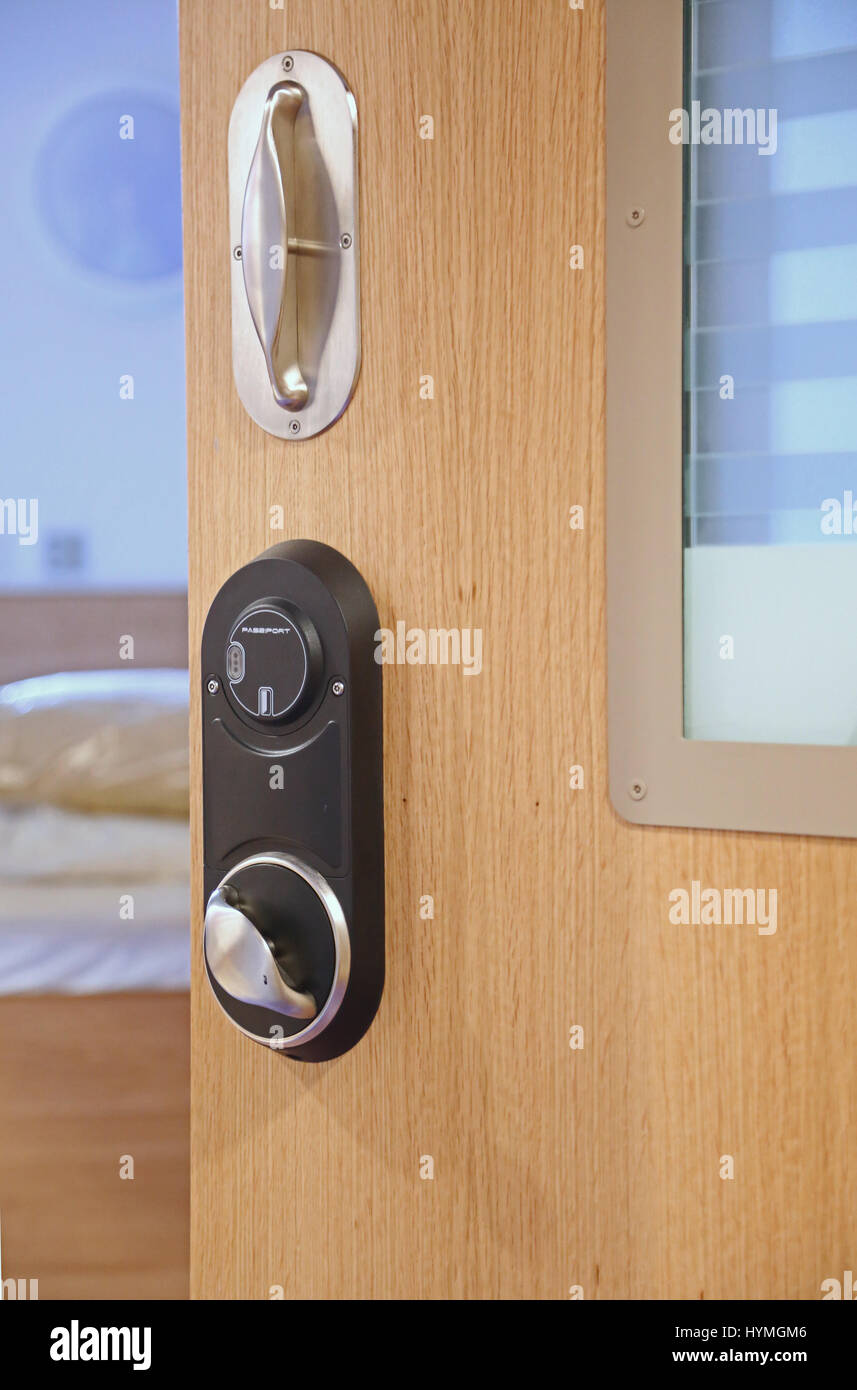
295	302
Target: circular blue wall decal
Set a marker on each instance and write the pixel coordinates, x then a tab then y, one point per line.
114	203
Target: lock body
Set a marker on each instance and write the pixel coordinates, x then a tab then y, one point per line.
293	801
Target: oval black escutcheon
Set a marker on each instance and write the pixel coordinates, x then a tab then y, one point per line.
293	834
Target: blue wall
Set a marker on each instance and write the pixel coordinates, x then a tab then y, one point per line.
90	241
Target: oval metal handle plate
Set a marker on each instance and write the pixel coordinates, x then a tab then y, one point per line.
295	244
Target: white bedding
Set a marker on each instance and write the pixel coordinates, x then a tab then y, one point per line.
97	741
69	939
66	879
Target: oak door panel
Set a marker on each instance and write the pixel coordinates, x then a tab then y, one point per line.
553	1167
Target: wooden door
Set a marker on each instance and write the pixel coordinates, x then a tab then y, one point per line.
594	1168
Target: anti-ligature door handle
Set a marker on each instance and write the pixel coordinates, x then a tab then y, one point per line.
293	214
270	278
243	963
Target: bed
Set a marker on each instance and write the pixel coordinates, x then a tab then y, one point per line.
94	945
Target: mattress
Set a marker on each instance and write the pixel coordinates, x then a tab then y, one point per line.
92	903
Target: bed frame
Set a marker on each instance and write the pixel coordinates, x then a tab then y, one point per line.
43	633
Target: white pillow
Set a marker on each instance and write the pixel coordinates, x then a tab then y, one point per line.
109	741
47	843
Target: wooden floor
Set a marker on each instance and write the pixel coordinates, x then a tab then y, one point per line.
84	1081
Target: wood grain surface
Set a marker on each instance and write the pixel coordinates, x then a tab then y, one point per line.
83	1081
596	1168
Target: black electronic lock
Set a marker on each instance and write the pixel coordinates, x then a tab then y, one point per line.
293	827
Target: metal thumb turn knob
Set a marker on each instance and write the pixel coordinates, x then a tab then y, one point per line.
242	962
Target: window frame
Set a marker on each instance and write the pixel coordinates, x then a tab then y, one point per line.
656	775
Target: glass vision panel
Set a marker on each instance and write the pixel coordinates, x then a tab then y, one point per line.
770	370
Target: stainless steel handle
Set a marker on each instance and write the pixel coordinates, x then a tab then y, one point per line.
242	962
293	216
267	252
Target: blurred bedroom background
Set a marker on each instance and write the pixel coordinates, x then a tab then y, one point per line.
94	856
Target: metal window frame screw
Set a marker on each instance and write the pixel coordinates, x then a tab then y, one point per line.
213	685
236	251
345	241
288	63
338	688
635	217
295	426
637	789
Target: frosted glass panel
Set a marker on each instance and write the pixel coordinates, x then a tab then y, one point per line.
770	365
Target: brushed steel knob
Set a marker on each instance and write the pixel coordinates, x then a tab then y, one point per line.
242	962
